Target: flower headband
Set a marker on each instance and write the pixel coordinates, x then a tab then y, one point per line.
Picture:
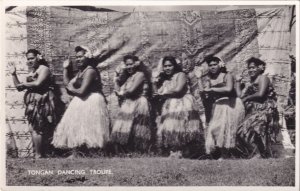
39	56
221	63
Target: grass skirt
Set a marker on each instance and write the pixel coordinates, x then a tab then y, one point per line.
41	111
132	125
227	114
180	124
86	121
259	129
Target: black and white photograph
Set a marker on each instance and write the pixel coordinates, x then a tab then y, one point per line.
139	94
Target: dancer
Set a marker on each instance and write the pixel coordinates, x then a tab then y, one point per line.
131	130
179	128
85	123
41	100
260	126
226	110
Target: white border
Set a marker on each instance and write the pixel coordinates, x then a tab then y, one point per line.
5	3
140	2
297	95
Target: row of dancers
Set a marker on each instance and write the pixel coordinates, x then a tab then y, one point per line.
157	111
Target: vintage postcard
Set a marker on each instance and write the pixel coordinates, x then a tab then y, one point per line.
150	95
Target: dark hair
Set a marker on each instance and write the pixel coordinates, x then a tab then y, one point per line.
177	67
79	48
130	57
256	61
35	53
211	58
91	61
124	75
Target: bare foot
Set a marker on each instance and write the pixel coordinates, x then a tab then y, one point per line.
176	155
257	156
72	156
37	156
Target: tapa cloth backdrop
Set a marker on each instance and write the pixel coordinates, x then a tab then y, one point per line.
234	35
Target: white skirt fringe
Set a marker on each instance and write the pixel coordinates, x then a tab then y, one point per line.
227	114
86	121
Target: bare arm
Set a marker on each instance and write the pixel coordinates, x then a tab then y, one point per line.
139	79
44	74
118	73
15	79
226	89
154	88
238	88
263	84
116	85
13	72
66	72
87	81
181	82
66	76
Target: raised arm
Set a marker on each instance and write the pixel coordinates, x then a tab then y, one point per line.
66	72
119	72
138	80
13	72
263	83
116	83
89	76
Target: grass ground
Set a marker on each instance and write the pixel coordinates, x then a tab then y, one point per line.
154	171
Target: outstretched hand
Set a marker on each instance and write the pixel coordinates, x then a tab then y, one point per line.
67	63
